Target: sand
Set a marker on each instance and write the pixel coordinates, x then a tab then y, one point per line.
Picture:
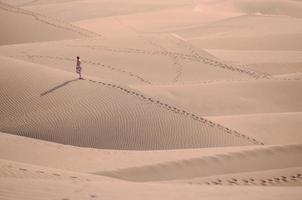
180	99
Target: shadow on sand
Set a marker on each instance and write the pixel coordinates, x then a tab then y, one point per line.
58	87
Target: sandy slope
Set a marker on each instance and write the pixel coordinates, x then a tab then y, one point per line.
143	122
67	190
33	151
239	97
11	169
257	26
260	109
274	62
100	8
132	59
227	163
36	27
274	177
248	32
13	173
269	128
157	116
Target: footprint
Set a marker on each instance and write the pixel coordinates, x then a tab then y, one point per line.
245	181
56	174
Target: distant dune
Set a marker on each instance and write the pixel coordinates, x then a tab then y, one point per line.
35	27
236	97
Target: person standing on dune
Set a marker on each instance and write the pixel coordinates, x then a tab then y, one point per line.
79	68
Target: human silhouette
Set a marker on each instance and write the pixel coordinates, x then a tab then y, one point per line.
79	68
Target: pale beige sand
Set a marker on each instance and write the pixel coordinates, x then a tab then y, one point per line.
248	32
269	25
181	99
78	159
274	177
132	59
32	113
35	27
232	97
270	62
227	163
11	169
268	127
35	189
35	178
100	8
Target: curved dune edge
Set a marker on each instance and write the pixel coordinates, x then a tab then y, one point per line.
239	97
268	127
275	177
42	28
176	65
12	169
243	161
32	180
86	160
106	190
43	121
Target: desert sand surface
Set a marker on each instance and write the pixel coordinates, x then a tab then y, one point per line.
181	99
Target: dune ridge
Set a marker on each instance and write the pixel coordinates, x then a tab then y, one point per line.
243	161
10	121
66	189
268	127
276	177
253	99
180	61
141	79
59	29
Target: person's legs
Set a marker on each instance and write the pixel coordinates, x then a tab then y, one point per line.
80	74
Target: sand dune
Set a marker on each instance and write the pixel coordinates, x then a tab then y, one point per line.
107	190
275	63
100	8
10	169
270	7
276	177
13	173
180	99
239	97
254	57
87	160
112	58
243	161
91	129
160	21
44	28
247	32
269	128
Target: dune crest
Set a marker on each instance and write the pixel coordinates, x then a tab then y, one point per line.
37	27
